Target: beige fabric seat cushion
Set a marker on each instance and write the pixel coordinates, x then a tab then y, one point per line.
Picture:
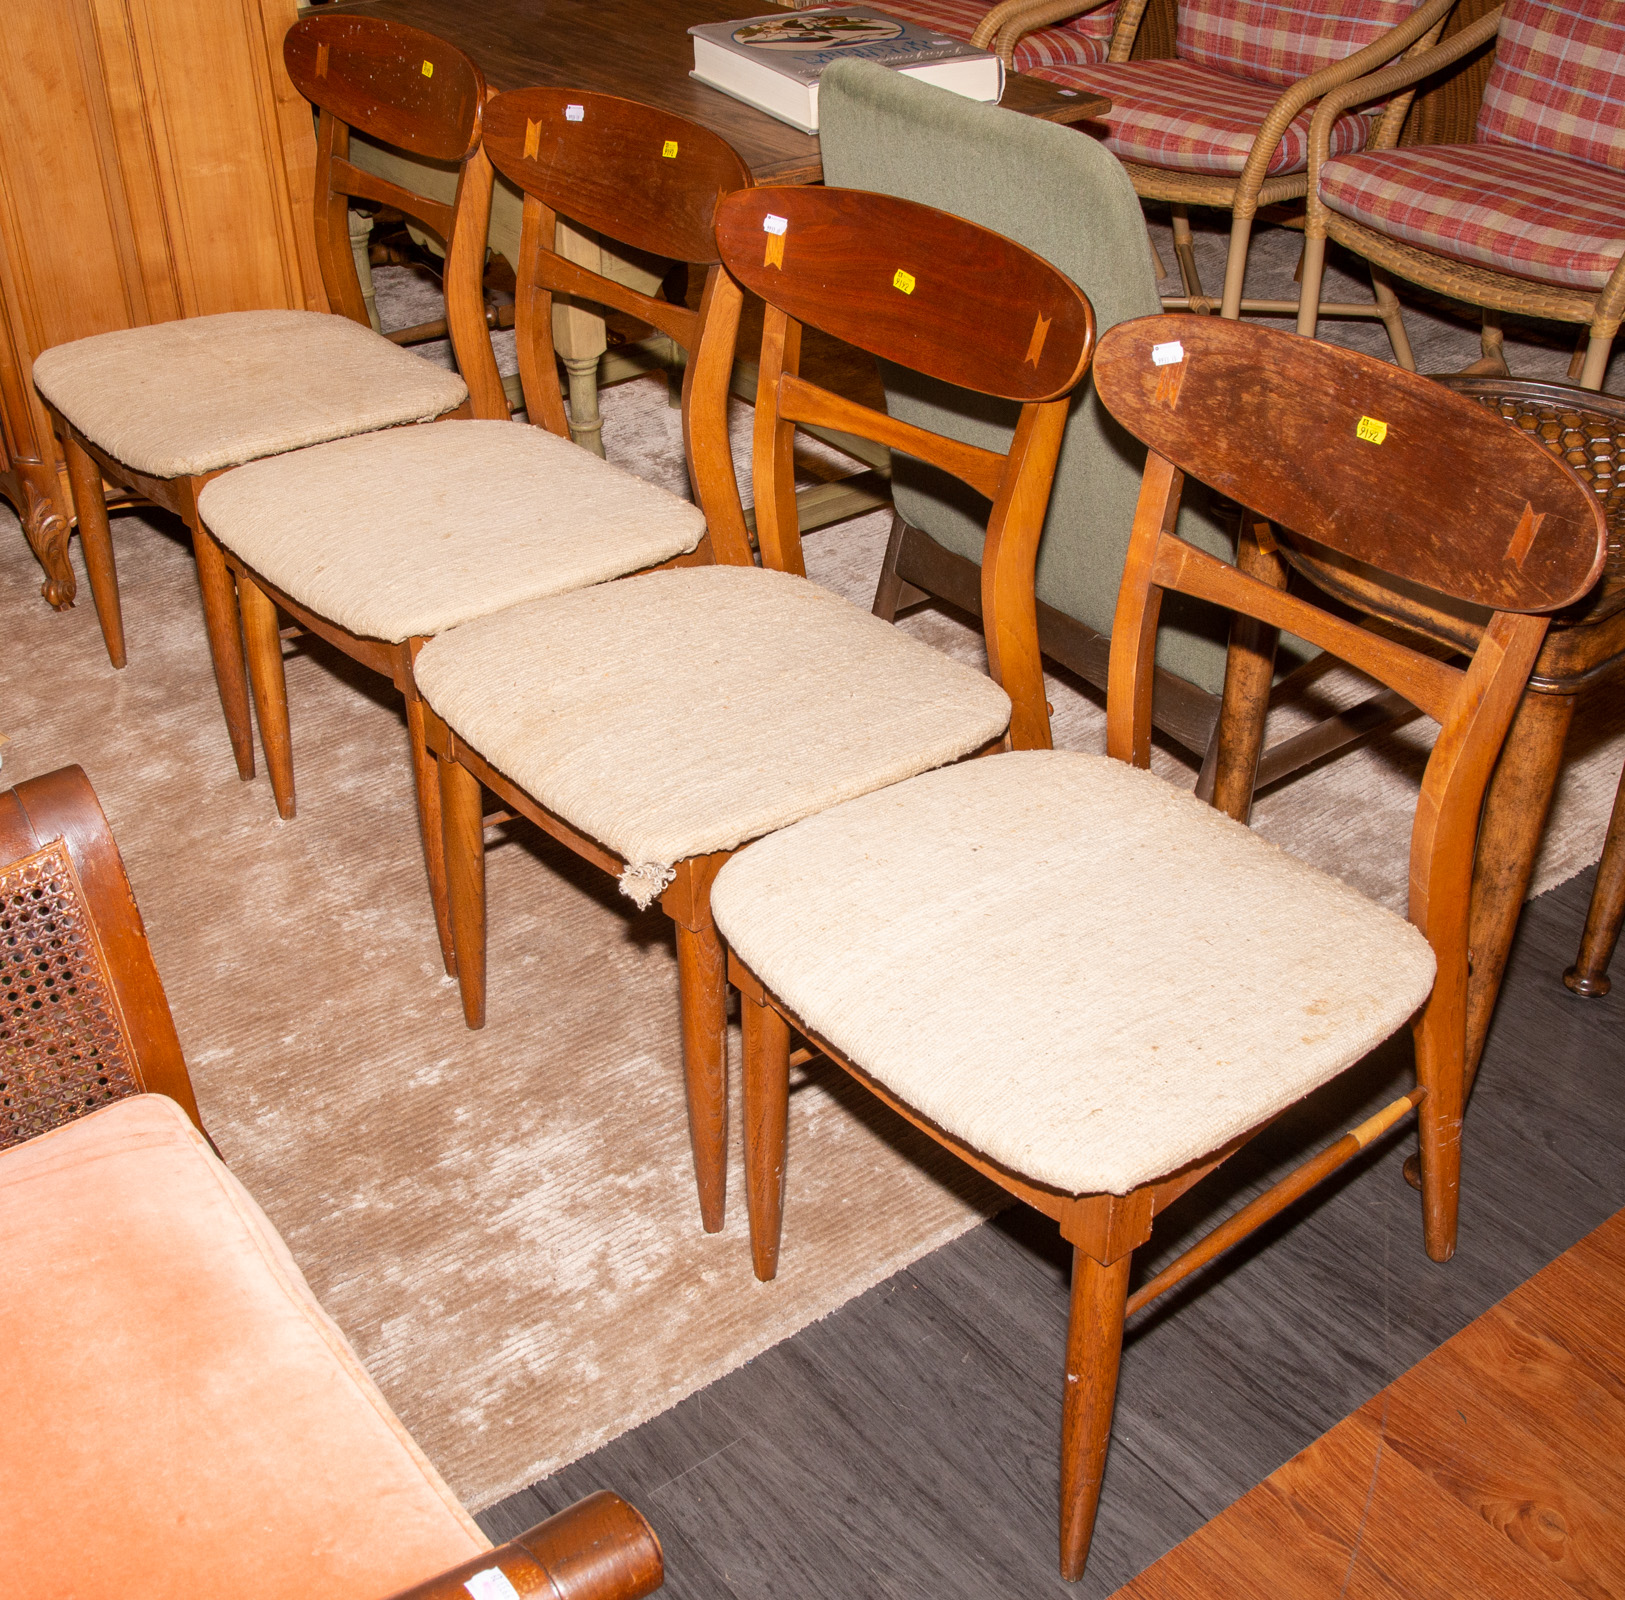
1068	964
683	712
180	1418
414	530
192	396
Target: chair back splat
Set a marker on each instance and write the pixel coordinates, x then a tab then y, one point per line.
409	89
929	291
651	180
83	1017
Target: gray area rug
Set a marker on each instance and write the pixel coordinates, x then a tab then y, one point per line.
504	1222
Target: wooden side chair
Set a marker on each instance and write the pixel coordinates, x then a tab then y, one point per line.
1090	985
378	543
656	724
1527	218
1226	123
158	411
158	1335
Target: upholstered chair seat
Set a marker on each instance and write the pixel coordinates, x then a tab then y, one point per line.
681	713
182	1419
1067	964
405	533
190	397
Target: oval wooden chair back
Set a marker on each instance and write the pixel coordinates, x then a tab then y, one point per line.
648	179
406	88
83	1017
933	292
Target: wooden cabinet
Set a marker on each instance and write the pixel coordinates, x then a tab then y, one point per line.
155	162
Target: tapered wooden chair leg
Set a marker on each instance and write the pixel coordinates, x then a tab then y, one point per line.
432	830
96	541
1094	1346
265	672
462	821
1439	1070
225	644
702	980
1589	974
767	1118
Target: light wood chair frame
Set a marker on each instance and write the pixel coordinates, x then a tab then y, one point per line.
1017	482
1474	706
1245	194
541	273
1597	312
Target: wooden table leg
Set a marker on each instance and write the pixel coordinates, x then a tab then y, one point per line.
1520	795
1589	974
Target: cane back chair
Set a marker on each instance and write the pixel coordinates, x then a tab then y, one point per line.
378	543
1526	219
157	1333
656	724
158	411
1095	988
1226	123
83	1018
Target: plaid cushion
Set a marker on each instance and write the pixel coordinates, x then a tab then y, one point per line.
1281	41
1558	83
1521	211
1178	115
1076	42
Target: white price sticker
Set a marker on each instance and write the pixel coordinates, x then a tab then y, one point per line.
773	224
1166	355
571	114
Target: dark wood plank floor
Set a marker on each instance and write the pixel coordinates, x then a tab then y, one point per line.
1504	1445
907	1445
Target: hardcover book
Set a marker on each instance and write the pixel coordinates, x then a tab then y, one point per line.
774	62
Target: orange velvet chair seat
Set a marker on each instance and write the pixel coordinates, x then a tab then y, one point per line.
178	1416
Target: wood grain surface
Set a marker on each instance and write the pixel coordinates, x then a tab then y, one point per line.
641	49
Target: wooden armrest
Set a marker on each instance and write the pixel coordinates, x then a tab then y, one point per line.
599	1549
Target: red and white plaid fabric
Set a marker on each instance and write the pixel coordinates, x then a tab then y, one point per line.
1281	41
1558	83
1074	43
1188	118
1538	216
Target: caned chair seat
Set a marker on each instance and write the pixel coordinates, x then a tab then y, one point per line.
1547	217
1073	43
1069	965
684	712
1190	118
411	531
159	1338
195	395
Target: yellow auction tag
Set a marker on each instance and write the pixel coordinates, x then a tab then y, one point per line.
428	69
904	281
669	149
1372	431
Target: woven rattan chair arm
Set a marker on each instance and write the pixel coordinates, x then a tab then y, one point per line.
1127	29
1017	18
1401	75
1425	19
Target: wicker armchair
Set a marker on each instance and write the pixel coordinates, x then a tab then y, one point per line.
1226	123
1526	218
1084	35
181	1417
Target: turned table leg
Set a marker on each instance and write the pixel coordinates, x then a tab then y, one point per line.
1589	974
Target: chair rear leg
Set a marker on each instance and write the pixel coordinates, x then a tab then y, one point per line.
702	980
1439	1070
767	1116
267	675
1393	318
225	643
462	822
431	829
1094	1347
96	541
1185	252
1589	974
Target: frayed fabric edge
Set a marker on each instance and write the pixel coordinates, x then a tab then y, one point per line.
642	881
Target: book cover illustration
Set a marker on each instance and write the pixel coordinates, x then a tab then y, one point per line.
800	44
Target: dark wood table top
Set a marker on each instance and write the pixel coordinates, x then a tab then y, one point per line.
641	49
